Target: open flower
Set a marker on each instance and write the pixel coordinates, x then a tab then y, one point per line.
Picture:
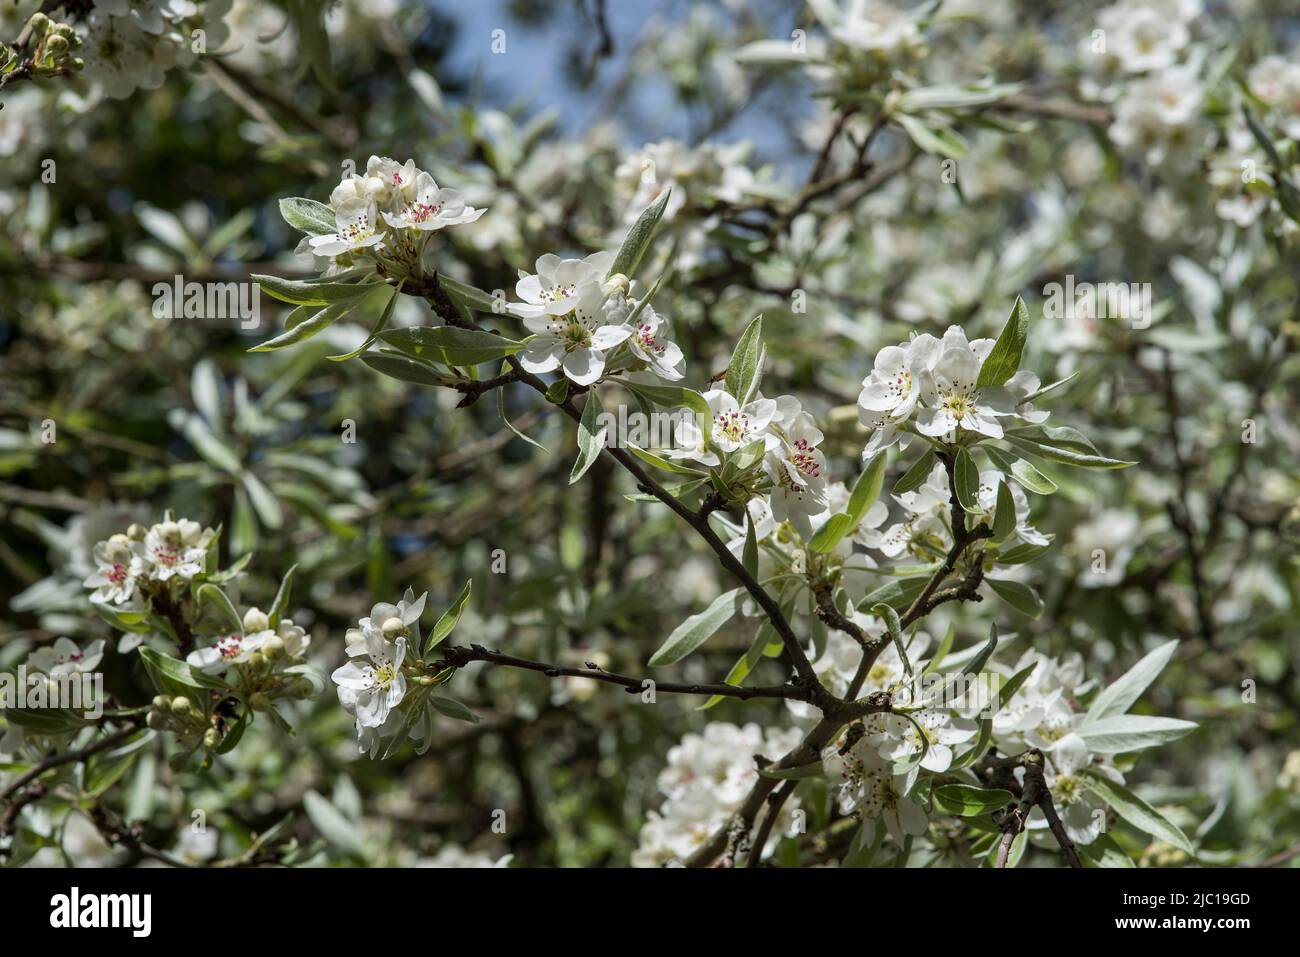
554	290
377	684
575	341
797	469
894	386
66	657
870	787
373	688
432	208
232	649
951	399
115	570
355	223
648	343
173	548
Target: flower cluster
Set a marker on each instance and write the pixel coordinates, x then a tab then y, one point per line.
130	44
706	779
386	218
586	324
928	385
385	684
143	564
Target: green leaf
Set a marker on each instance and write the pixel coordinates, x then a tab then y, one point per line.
308	327
749	556
938	141
1020	554
1262	138
407	370
696	630
1004	518
591	440
895	628
916	475
638	238
281	602
812	770
45	720
967	480
167	673
659	462
745	370
557	393
449	618
865	492
1004	360
1124	692
451	346
1136	811
263	500
213	595
471	297
308	216
1019	596
898	594
453	709
299	292
332	825
1104	852
670	397
384	318
1122	733
964	800
1066	455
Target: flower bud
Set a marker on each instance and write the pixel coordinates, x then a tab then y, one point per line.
394	628
156	720
255	620
616	283
181	706
257	661
162	702
136	532
259	702
301	689
211	737
39	22
56	45
274	648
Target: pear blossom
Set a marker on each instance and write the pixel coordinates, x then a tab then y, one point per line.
555	289
232	649
951	400
373	688
730	427
66	657
116	568
173	548
648	343
894	385
897	738
870	788
432	208
355	227
797	470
